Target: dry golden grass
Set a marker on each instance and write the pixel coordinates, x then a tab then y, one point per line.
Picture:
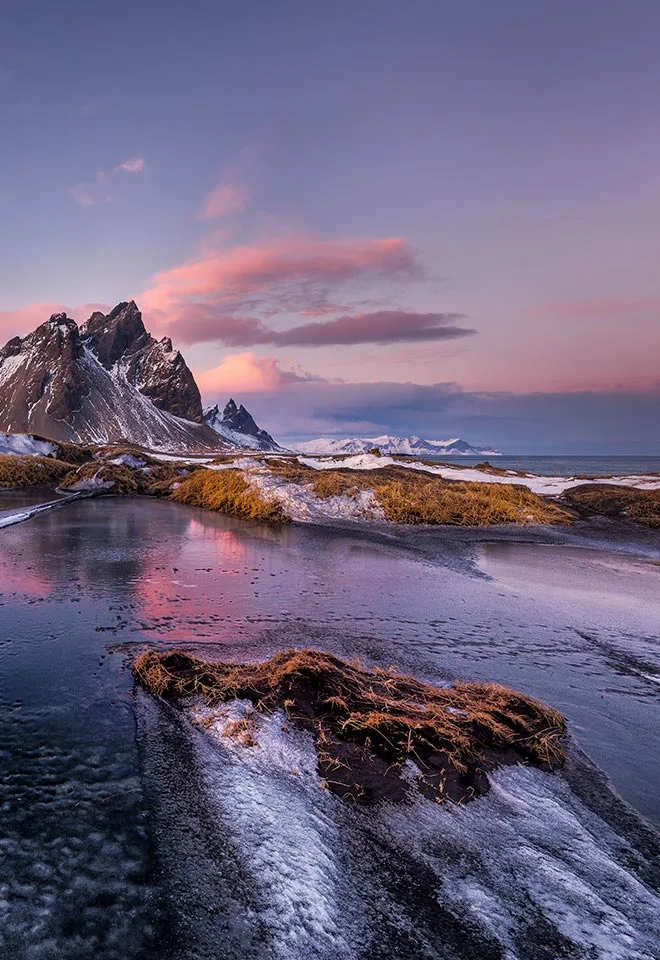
75	453
368	723
161	478
436	501
19	471
618	503
242	731
227	491
413	497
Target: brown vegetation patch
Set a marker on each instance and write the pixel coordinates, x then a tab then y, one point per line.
74	453
367	724
618	503
227	491
414	497
416	500
26	471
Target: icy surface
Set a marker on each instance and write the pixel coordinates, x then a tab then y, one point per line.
91	485
243	849
10	517
129	460
529	862
25	445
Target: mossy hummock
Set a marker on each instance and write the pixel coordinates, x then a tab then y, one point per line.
376	732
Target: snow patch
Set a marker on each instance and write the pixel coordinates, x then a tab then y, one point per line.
128	460
537	484
22	444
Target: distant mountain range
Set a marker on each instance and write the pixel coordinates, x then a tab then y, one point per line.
409	446
109	380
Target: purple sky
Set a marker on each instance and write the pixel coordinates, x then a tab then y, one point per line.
362	217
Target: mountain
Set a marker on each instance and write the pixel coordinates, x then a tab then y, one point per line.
105	380
237	426
410	446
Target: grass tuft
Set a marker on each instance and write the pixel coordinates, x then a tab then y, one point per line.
415	500
618	503
27	471
124	480
227	491
367	724
413	497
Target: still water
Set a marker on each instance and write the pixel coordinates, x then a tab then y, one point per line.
128	833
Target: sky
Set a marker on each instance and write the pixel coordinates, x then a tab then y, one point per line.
356	218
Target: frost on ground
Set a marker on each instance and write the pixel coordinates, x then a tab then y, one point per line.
299	500
22	444
537	484
525	873
91	485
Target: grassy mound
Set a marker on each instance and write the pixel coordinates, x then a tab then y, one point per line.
413	500
75	453
228	492
618	503
26	471
409	496
367	724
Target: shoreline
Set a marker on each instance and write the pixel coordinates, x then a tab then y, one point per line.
595	533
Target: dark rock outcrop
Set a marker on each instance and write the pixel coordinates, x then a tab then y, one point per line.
238	426
106	380
154	367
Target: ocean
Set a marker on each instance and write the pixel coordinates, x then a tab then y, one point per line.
559	466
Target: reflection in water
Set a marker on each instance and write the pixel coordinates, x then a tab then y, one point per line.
78	868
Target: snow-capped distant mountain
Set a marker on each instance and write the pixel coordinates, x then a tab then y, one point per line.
106	380
409	446
237	426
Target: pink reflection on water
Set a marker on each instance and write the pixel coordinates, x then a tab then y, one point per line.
201	593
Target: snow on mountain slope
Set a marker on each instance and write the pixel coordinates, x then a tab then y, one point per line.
107	380
239	428
408	446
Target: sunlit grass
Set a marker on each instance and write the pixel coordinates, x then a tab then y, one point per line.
227	491
26	471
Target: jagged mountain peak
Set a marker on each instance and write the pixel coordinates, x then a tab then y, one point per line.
116	333
238	426
109	379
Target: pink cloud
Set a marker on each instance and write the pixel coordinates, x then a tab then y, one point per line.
104	184
242	373
195	298
83	195
25	319
223	200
